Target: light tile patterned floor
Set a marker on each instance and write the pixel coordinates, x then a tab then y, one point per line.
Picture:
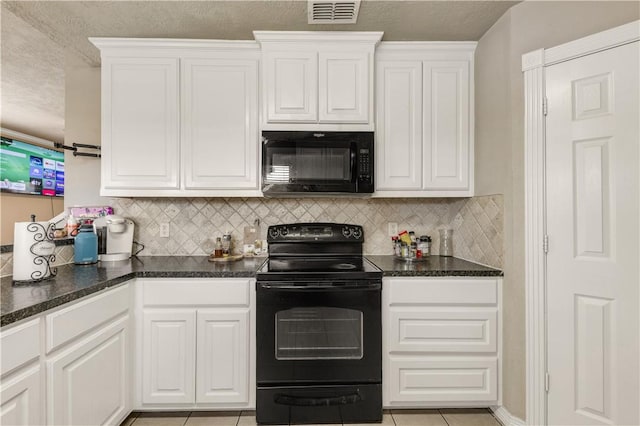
444	417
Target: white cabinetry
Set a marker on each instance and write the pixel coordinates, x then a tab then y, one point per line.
179	117
88	370
424	123
169	342
220	123
318	80
88	384
85	349
441	340
223	356
21	402
140	139
197	345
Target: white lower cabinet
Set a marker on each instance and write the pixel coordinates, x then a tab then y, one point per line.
223	356
20	398
88	384
441	340
196	347
169	342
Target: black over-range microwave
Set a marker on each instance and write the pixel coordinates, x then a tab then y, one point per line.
317	163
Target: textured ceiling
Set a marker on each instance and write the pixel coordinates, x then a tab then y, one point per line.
36	35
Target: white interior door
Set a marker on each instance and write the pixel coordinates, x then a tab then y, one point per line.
592	159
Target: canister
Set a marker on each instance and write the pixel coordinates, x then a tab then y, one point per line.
85	246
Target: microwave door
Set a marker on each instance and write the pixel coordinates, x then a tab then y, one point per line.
305	166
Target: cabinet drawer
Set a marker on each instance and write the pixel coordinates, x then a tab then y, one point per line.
442	291
20	345
69	323
452	330
442	380
210	292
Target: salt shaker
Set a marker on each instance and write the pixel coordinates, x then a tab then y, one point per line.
446	242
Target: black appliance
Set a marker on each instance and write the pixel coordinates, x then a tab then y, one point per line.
319	327
317	163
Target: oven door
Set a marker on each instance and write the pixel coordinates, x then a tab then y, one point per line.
318	332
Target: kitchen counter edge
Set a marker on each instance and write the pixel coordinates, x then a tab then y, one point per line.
81	285
433	266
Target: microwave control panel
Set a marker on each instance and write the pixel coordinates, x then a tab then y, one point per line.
364	167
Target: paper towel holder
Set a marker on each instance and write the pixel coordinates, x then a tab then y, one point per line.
43	250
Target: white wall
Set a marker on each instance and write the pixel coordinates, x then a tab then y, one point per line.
82	125
500	139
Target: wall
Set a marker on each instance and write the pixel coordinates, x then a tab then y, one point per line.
19	208
500	135
82	125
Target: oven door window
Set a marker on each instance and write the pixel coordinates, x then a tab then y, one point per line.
318	333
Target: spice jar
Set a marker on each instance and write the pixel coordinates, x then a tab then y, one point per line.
226	244
424	245
217	252
413	250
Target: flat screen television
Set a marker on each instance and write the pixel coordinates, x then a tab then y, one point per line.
30	169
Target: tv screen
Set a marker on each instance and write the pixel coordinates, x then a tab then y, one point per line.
30	169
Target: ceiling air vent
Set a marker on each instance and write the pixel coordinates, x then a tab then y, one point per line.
333	12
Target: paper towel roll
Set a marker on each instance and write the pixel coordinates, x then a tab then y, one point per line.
32	251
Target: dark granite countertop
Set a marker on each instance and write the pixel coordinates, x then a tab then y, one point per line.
72	282
434	266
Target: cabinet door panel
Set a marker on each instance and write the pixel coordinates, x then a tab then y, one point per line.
446	124
343	87
19	345
291	86
140	123
442	380
399	125
223	356
89	383
452	330
220	123
21	403
168	370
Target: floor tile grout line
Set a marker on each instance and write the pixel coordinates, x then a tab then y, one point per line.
443	417
187	419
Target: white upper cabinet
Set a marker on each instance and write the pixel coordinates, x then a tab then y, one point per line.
343	85
219	123
291	86
179	117
318	80
399	126
446	132
140	140
424	124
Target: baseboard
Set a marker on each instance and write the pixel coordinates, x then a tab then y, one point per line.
505	417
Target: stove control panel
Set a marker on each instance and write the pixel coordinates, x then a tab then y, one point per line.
315	233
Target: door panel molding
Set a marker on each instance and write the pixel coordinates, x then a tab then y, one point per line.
533	64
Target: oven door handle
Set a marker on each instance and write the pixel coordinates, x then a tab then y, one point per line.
328	287
303	401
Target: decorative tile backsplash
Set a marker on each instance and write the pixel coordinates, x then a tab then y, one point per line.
478	230
194	223
63	254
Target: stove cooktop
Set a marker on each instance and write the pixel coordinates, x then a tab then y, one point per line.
317	268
